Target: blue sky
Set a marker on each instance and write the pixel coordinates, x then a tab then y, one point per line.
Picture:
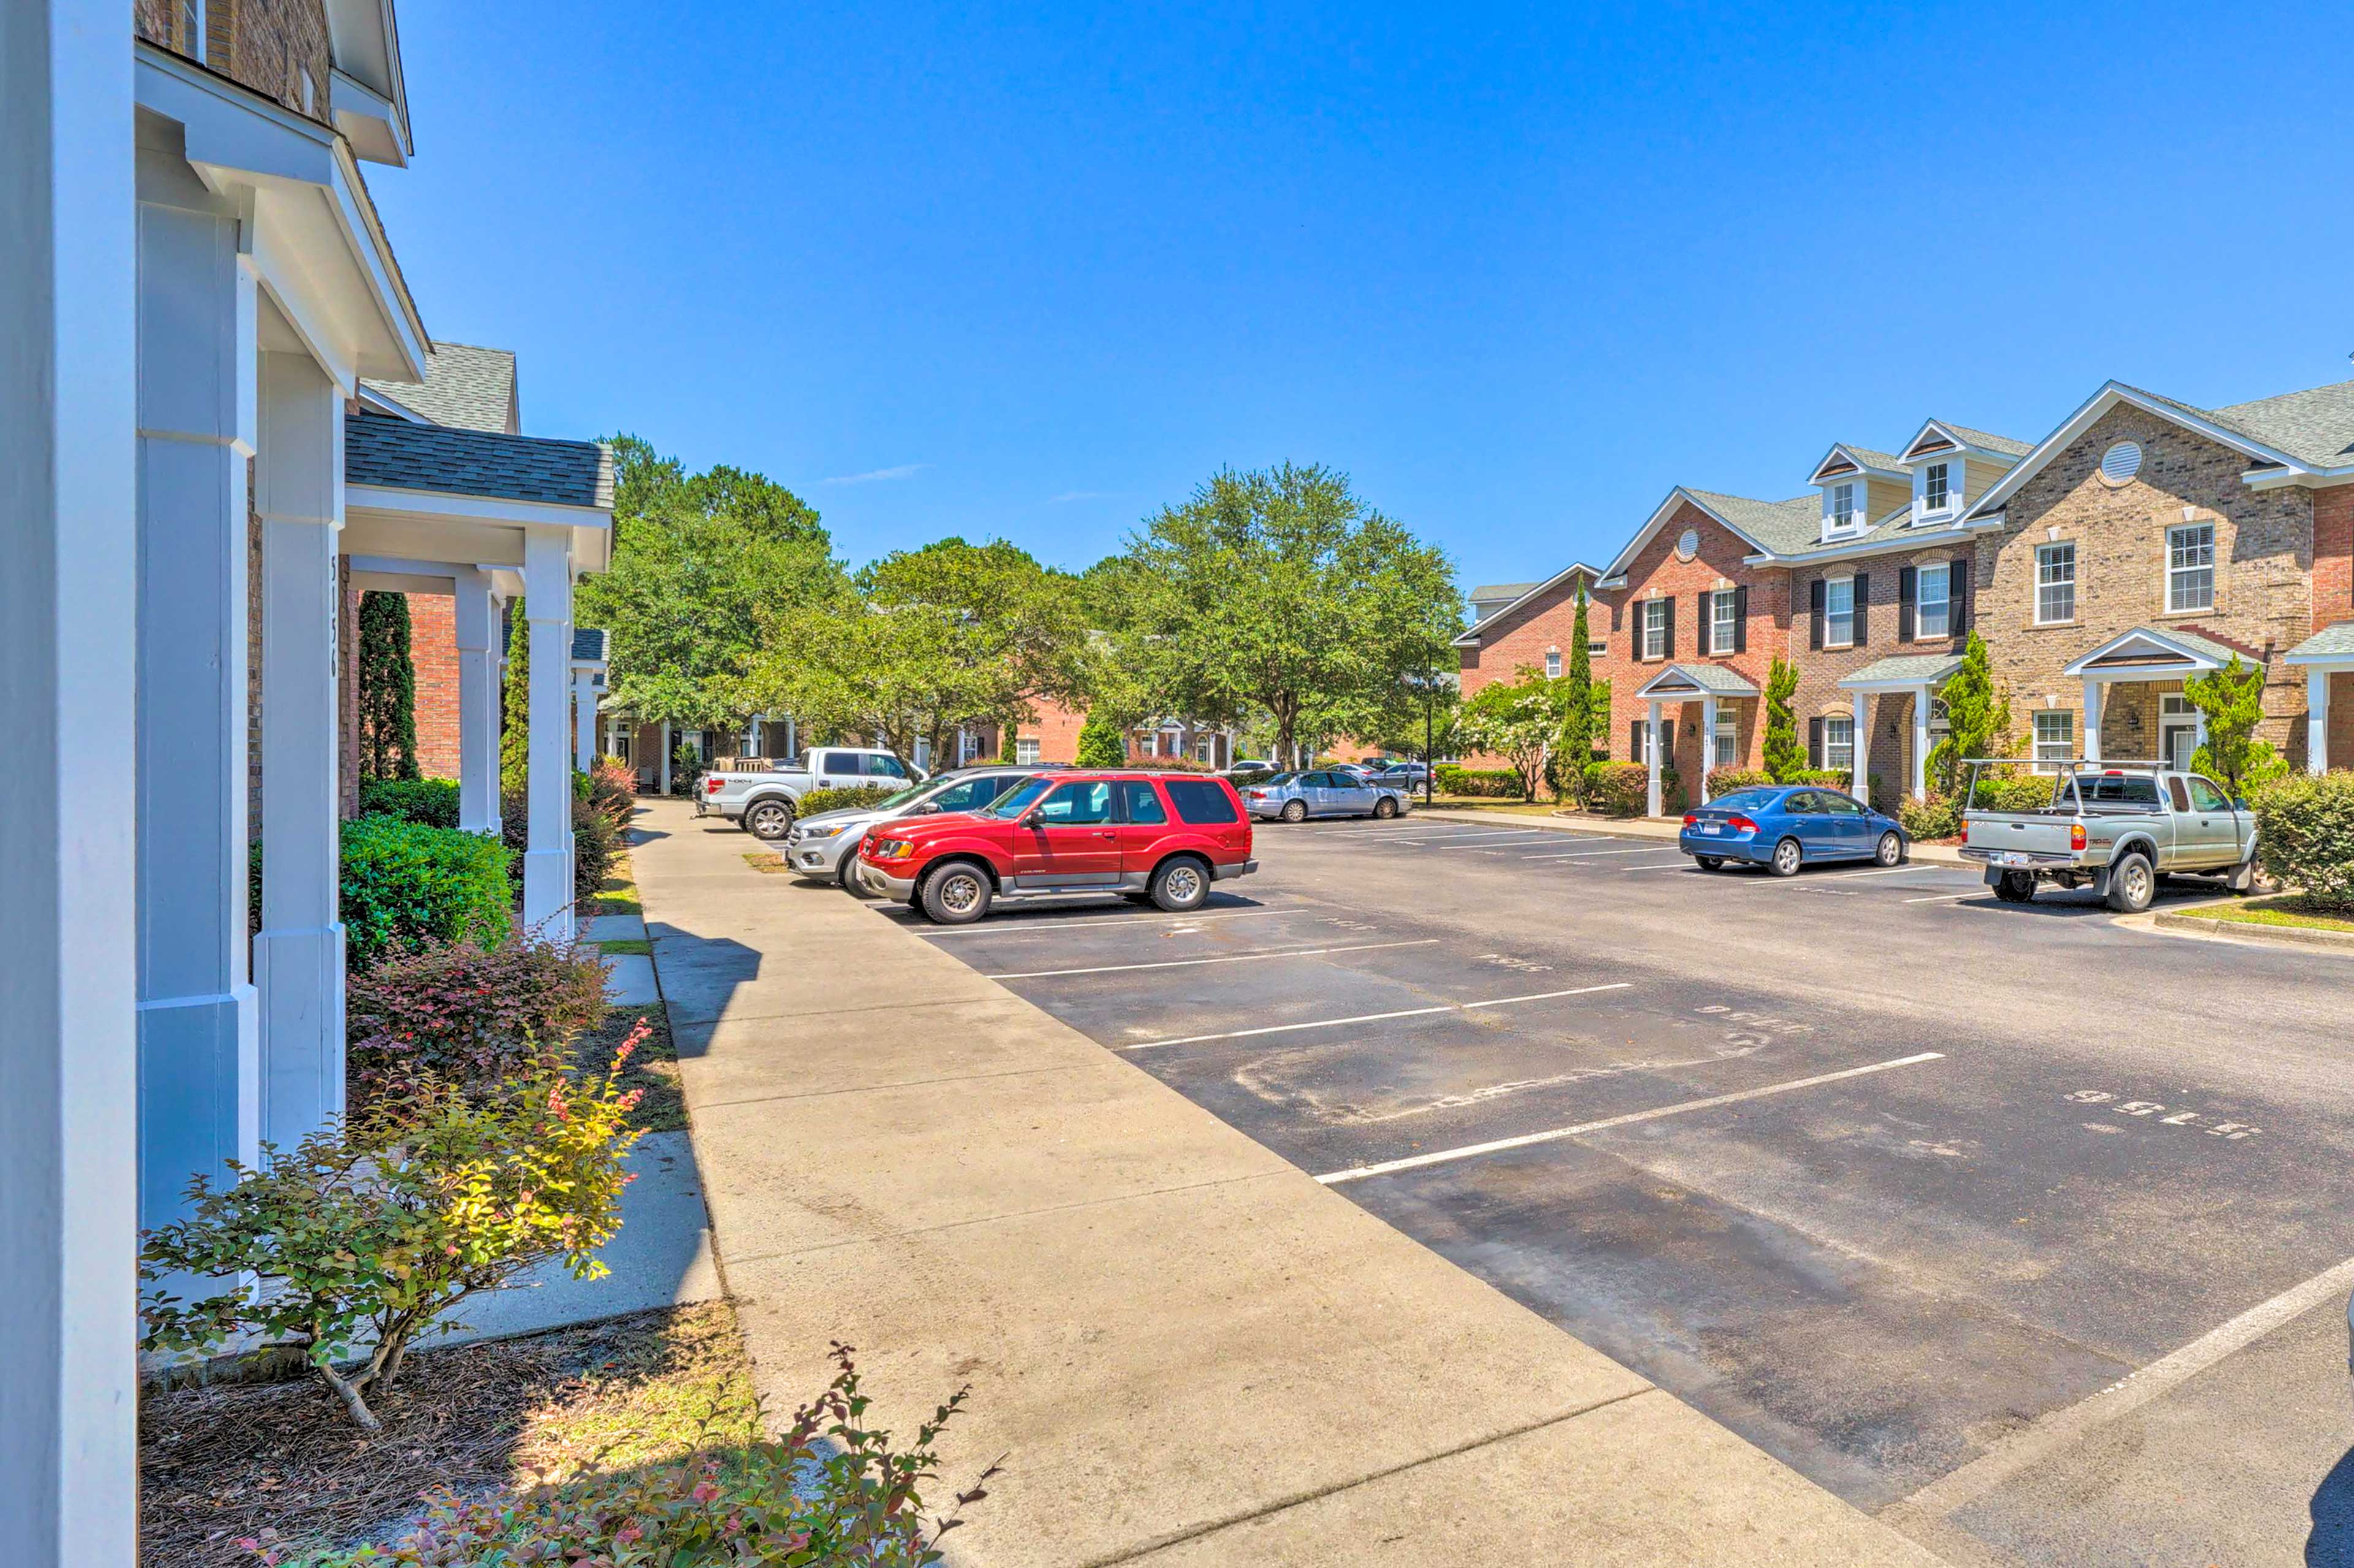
1018	270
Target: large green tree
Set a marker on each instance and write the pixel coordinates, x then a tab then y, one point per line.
2232	700
923	642
1282	593
1517	720
388	688
1977	717
703	564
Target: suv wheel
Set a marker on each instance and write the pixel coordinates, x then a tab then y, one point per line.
1295	811
2132	884
1891	850
1181	885
768	819
955	895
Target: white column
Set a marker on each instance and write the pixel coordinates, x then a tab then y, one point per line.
2093	694
547	859
665	758
2316	721
298	955
199	1041
584	719
1860	785
477	620
1921	700
1708	758
1653	747
69	582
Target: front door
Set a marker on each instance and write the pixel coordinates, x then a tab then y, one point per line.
1068	839
2178	731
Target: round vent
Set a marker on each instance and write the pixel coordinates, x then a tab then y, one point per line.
1688	544
2121	463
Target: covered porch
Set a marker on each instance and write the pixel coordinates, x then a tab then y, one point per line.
1712	686
1916	675
2324	657
488	518
2134	706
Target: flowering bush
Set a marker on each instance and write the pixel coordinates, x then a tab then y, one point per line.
827	1491
431	801
364	1235
467	1015
405	884
613	791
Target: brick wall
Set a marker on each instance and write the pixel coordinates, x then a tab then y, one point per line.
433	650
2333	555
267	45
1888	714
2264	591
1658	571
347	690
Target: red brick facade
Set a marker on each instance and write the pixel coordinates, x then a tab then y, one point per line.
433	650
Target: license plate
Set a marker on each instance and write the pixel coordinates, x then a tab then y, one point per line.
1711	827
2013	859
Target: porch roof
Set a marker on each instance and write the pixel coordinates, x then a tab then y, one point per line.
1678	681
2150	653
1902	670
406	456
2332	645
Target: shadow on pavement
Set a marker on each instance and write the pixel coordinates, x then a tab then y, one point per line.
2331	1544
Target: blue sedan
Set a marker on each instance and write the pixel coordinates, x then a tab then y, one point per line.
1784	826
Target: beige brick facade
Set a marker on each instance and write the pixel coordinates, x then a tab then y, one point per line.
270	45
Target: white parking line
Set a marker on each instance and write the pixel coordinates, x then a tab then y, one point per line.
1015	928
1594	854
1472	1151
1372	1017
1229	959
1947	897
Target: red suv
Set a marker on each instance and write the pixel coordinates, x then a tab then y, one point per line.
1149	836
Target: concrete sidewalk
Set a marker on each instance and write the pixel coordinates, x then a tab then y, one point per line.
1627	827
1186	1350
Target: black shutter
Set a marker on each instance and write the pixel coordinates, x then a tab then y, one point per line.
1862	610
1814	592
1635	741
1705	629
1668	606
1958	589
1741	619
1814	742
1907	589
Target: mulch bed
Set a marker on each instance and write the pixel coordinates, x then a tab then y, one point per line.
225	1463
653	1066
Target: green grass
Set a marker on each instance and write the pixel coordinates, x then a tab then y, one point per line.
2289	909
619	893
614	950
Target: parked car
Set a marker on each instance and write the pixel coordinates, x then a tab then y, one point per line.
823	848
1784	826
1324	792
2115	828
1405	775
765	800
1162	838
1248	765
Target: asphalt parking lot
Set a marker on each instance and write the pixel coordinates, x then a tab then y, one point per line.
2027	1230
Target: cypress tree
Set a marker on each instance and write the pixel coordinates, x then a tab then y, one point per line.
1573	747
1784	757
515	726
387	689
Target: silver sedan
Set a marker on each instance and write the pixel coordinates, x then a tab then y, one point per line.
823	848
1323	793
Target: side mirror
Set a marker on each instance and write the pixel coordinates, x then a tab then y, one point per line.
925	809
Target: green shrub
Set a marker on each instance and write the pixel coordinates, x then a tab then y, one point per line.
1618	789
1481	783
1102	743
856	798
405	884
468	1015
2019	792
1934	818
362	1238
1725	780
596	844
828	1492
431	801
2305	835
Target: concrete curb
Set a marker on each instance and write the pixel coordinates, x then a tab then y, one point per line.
1635	827
2250	931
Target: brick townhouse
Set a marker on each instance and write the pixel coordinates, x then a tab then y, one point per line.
2144	541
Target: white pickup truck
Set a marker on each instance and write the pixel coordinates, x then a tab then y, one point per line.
765	800
2114	827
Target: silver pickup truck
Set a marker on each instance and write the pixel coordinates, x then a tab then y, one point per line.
2114	827
765	799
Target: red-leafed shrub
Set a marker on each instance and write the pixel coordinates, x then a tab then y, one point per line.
613	791
472	1016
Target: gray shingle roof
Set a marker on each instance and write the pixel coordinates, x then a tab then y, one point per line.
2316	425
1500	593
1989	441
1781	527
1872	457
382	450
466	388
587	645
1714	678
2329	643
1912	668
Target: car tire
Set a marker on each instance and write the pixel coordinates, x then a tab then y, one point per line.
767	821
2132	884
1180	885
1787	858
1294	812
1385	808
1890	851
957	893
1708	861
847	878
2016	887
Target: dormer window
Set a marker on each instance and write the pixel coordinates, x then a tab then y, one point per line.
1842	513
1937	492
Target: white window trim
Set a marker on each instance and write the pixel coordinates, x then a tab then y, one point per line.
1921	601
2053	549
1722	599
2065	720
2175	574
1553	664
1954	470
1655	623
1838	521
1026	750
1831	616
1595	647
1832	761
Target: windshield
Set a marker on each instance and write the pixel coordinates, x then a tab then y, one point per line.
1019	801
1278	778
901	798
1744	801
